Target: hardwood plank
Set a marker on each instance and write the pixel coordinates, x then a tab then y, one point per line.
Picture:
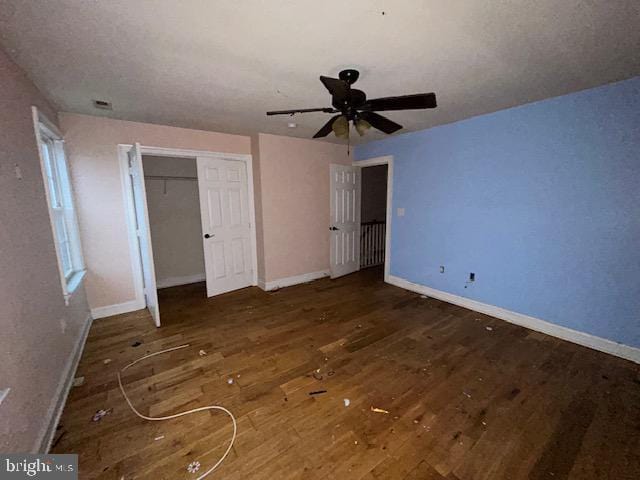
465	402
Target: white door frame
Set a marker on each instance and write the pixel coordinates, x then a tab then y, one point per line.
130	216
386	160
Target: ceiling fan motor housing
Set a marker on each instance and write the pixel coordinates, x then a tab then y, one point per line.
354	99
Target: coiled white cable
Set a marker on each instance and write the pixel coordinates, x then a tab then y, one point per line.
181	414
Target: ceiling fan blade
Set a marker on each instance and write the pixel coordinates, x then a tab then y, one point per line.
326	128
339	89
381	123
301	110
404	102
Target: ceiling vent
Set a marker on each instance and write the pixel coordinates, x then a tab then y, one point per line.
103	105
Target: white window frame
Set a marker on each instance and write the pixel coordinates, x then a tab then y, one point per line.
62	213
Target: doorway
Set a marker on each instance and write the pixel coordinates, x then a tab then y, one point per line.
191	218
373	216
374	162
360	215
171	186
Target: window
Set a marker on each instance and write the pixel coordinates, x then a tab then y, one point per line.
60	199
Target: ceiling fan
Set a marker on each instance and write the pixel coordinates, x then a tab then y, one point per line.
352	105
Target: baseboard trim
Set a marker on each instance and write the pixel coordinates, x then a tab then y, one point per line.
290	281
184	280
532	323
62	392
117	309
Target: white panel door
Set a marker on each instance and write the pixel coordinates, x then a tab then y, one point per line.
226	225
345	220
143	232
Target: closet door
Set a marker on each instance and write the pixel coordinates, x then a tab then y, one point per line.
143	232
226	226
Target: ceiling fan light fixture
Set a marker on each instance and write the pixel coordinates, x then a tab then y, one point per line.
341	127
362	126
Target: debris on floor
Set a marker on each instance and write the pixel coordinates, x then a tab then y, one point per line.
202	353
317	392
106	361
78	381
230	381
423	296
159	438
468	395
347	402
193	467
490	329
316	374
137	343
330	373
378	410
100	414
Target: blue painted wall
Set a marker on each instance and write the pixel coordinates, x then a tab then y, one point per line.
541	201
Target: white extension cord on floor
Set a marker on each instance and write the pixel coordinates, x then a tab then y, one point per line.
181	414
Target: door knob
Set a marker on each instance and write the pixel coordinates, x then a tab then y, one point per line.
206	235
333	228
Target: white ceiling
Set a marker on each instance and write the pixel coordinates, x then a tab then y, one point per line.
219	65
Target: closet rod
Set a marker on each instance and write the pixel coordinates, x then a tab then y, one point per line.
165	177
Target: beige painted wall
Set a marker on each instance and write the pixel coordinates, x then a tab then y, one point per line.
174	219
92	149
37	331
294	204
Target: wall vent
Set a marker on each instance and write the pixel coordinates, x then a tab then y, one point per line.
103	105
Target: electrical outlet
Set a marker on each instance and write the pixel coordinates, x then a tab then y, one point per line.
3	394
441	268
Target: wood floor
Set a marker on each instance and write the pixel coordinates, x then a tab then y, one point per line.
468	396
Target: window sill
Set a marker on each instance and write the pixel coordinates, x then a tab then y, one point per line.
72	285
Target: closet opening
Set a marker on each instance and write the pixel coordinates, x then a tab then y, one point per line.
171	185
190	219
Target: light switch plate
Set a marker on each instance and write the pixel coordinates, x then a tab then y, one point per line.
400	212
